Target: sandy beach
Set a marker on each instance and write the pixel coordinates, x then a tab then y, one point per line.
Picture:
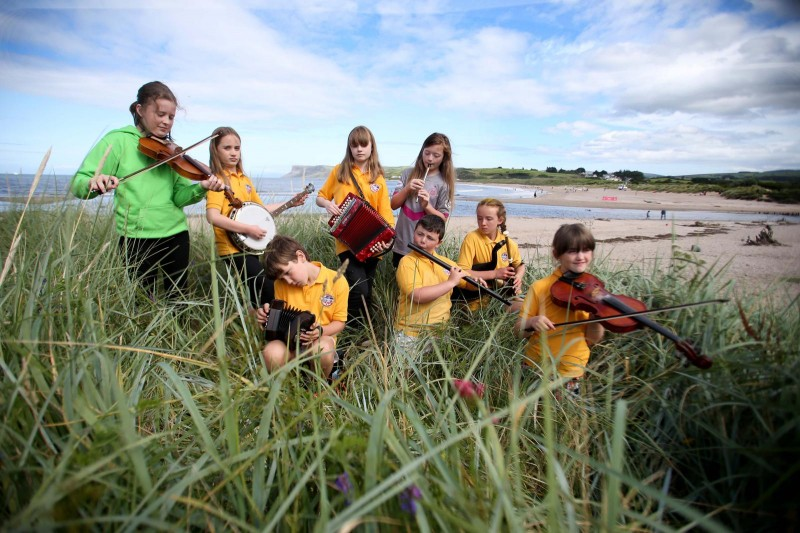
612	198
649	241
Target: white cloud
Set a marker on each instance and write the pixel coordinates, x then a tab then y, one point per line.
577	128
653	81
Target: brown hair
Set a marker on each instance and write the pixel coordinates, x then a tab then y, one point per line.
501	210
360	136
150	92
432	223
214	162
446	168
280	251
572	237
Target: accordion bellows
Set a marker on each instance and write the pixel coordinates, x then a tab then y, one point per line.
285	323
360	227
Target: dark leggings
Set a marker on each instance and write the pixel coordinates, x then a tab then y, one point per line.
147	256
360	276
261	289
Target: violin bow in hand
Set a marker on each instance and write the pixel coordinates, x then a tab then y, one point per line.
637	313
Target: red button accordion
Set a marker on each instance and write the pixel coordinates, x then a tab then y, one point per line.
285	323
360	227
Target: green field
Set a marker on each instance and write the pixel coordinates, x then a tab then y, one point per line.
776	186
123	413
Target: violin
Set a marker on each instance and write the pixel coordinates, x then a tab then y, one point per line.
186	166
585	292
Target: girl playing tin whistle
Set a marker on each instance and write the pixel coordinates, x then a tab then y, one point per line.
427	188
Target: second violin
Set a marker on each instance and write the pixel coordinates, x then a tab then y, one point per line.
585	292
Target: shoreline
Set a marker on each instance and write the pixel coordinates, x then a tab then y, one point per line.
612	198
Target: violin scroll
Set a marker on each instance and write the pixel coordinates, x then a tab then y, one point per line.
692	355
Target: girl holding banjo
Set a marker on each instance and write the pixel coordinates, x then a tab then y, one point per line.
241	239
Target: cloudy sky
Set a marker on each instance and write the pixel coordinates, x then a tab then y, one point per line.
669	87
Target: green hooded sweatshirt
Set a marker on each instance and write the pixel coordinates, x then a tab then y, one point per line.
147	206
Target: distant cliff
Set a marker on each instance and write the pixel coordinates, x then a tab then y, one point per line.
311	171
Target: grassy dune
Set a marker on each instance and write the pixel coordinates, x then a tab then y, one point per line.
123	413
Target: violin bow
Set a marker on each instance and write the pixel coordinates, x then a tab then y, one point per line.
467	278
637	313
168	159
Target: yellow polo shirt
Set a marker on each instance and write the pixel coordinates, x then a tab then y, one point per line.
477	248
326	299
568	344
376	194
244	190
413	272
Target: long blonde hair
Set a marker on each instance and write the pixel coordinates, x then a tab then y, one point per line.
446	168
213	160
360	136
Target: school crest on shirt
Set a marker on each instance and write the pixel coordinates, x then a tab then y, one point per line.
374	187
504	256
248	188
445	271
327	300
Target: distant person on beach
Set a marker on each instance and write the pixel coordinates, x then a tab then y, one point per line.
573	248
427	188
489	254
225	160
663	214
360	173
154	235
648	215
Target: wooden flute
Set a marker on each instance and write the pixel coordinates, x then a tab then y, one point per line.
468	279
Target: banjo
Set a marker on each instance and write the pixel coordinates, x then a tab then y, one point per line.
256	214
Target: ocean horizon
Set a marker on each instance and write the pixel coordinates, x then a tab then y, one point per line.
55	188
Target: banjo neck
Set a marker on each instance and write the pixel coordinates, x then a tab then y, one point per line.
291	203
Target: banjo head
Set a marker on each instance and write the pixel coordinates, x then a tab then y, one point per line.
256	215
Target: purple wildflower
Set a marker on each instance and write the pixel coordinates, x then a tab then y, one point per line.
344	485
409	498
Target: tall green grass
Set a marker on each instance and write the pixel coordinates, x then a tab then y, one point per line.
119	412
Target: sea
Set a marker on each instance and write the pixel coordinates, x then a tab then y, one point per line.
273	189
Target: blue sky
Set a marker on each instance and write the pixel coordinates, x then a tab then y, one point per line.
670	87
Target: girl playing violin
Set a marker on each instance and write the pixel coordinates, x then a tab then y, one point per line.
360	173
149	207
427	188
491	255
573	247
226	161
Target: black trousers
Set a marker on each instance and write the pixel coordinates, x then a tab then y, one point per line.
170	255
359	276
261	289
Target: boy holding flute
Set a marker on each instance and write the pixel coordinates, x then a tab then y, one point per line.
425	286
